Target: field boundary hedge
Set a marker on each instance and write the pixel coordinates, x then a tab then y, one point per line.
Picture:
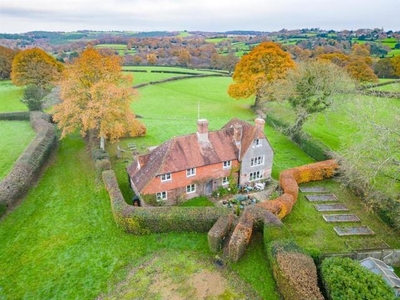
175	78
146	220
309	145
28	166
16	116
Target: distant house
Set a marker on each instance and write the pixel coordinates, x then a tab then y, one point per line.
196	164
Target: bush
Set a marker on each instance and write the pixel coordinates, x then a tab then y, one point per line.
33	97
15	116
344	278
99	154
294	271
26	169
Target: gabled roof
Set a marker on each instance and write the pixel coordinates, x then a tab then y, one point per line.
188	151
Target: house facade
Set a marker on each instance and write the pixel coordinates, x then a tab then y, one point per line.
197	164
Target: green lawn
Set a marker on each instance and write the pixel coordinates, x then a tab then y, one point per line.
15	137
10	97
394	87
62	242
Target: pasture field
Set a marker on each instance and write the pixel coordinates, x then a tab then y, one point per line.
15	137
120	48
148	76
10	97
393	87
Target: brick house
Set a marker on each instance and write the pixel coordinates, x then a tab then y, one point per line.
197	164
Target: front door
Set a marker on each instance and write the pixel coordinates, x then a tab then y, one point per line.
208	188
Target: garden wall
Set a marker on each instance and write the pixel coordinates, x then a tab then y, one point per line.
28	166
146	220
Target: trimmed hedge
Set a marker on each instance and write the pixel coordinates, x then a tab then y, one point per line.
26	170
294	271
274	210
218	232
16	116
344	278
141	220
312	147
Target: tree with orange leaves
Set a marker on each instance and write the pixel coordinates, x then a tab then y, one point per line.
96	98
255	71
35	66
396	65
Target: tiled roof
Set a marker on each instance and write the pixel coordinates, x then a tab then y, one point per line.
188	151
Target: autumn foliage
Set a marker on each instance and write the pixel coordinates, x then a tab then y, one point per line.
96	97
6	57
35	66
289	180
264	64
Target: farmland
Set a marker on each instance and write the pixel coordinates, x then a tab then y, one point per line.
62	242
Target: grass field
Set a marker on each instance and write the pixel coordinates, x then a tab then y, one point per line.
120	48
10	97
394	87
148	76
15	136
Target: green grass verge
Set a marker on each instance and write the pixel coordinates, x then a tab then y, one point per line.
316	236
198	201
255	269
10	97
15	137
180	275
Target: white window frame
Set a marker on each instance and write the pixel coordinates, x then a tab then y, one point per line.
257	161
225	180
256	175
166	177
162	196
191	188
227	164
257	142
190	172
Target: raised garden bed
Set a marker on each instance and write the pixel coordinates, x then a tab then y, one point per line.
330	207
341	218
353	230
313	189
321	197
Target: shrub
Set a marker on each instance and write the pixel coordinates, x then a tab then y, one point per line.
344	278
15	116
99	154
294	271
218	232
33	97
26	169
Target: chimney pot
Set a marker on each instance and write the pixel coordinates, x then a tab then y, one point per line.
260	124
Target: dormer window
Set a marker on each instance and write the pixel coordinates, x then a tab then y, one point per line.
257	142
227	164
166	177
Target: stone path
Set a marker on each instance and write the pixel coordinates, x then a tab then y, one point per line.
321	194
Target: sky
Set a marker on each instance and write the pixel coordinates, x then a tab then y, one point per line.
18	16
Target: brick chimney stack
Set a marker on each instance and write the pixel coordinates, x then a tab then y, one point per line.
202	130
260	124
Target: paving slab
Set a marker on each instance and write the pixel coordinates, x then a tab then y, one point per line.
341	218
330	207
353	230
313	189
321	197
